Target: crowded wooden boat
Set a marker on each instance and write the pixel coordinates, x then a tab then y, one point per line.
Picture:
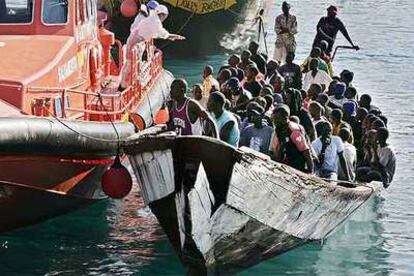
266	155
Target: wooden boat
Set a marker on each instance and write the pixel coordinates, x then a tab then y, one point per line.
225	209
61	115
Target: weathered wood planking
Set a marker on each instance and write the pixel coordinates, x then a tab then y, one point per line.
225	209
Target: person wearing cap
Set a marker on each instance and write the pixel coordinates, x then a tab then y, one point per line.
315	75
258	135
338	99
327	29
227	124
289	144
209	81
286	27
147	28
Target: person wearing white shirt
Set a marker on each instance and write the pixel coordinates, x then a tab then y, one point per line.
350	156
316	76
329	149
143	29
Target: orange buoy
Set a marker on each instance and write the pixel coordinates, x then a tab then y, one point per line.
116	181
162	116
129	8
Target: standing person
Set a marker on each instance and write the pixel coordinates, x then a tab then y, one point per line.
257	58
327	29
186	115
227	126
350	156
258	135
209	81
316	76
329	149
145	29
286	27
198	95
289	144
291	72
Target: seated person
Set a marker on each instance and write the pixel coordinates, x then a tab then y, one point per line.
383	161
350	156
316	75
198	95
315	53
258	135
329	149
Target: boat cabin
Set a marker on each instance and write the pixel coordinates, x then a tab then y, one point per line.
56	60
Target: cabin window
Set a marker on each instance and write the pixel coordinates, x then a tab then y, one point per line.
55	12
16	11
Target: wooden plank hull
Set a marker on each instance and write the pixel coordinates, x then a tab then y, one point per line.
225	209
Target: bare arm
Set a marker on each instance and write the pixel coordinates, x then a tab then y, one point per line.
344	32
309	160
195	111
225	131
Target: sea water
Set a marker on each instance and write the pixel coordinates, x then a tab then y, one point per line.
123	238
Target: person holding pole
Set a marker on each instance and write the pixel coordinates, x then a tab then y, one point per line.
286	27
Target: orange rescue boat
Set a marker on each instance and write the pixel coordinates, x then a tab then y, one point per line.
61	114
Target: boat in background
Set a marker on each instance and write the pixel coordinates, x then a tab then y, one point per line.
223	216
208	25
61	114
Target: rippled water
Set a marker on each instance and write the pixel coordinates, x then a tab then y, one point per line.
122	238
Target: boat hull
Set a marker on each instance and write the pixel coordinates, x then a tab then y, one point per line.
224	209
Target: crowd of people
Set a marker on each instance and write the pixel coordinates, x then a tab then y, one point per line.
303	115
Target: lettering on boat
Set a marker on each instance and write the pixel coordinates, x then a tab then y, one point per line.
67	69
202	7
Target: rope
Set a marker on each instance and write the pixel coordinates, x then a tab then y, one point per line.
179	31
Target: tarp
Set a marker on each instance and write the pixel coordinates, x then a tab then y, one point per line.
202	6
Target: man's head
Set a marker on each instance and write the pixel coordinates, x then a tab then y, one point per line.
331	87
314	90
382	135
251	72
290	57
365	101
253	47
269	101
323	99
332	11
281	115
249	110
314	64
336	116
316	52
347	76
233	60
361	114
240	74
245	56
234	86
340	89
315	110
162	12
208	71
197	91
178	89
223	76
216	102
285	8
351	93
344	134
257	116
278	83
325	129
271	66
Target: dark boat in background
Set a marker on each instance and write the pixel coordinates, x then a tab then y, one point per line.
209	25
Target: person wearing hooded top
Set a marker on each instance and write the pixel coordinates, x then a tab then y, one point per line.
286	27
328	27
291	72
143	29
338	99
258	135
289	144
293	99
227	125
316	75
329	149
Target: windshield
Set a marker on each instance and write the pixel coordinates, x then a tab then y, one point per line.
55	12
16	11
